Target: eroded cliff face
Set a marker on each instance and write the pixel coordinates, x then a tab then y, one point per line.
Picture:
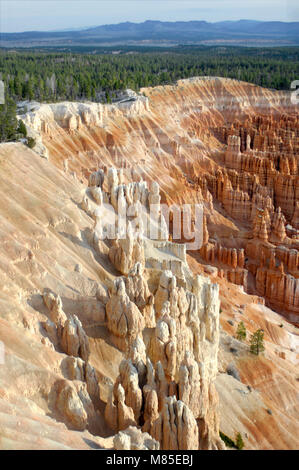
108	343
229	144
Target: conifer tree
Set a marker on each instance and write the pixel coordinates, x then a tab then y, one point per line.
239	442
8	120
31	142
22	128
257	342
241	331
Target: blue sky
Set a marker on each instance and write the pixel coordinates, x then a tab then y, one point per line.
23	15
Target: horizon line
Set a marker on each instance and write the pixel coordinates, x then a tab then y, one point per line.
82	28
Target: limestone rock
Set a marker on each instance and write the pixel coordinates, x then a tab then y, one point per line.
87	206
96	179
97	194
124	319
190	385
133	439
129	379
74	404
163	347
77	369
117	414
166	290
295	218
54	304
102	294
180	430
125	253
152	417
139	293
74	340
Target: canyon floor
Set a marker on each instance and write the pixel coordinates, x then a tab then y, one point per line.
229	145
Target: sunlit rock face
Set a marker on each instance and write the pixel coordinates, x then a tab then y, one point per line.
208	139
125	342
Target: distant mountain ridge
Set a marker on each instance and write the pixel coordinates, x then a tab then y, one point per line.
184	32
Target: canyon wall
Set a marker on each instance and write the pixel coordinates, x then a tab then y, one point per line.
121	337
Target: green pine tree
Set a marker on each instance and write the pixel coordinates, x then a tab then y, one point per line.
8	120
241	332
31	142
257	342
239	442
22	128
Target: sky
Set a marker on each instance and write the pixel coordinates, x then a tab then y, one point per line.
48	15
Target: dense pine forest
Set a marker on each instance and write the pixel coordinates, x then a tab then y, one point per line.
98	74
52	76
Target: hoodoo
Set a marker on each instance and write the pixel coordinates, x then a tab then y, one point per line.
129	340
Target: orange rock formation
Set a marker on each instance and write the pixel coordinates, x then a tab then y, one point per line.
119	340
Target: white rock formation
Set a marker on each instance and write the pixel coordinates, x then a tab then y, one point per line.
139	293
74	340
180	431
74	404
96	179
77	369
124	319
54	305
125	253
133	439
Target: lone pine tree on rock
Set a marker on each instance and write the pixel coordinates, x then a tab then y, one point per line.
22	128
239	442
8	120
241	331
257	342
